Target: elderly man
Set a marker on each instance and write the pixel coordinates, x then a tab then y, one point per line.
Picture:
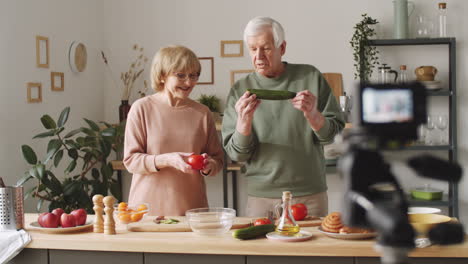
281	141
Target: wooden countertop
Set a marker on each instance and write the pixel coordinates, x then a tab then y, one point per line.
190	243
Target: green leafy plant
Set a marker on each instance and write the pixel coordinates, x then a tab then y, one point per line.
86	151
365	56
211	101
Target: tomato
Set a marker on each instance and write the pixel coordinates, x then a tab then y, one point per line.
196	161
299	211
262	221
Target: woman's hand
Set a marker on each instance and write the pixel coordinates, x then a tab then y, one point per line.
209	164
176	160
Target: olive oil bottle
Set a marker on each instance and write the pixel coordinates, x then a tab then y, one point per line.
286	225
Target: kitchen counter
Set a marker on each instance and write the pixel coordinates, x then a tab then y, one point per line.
190	243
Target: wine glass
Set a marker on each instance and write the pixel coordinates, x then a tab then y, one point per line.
430	125
421	135
441	123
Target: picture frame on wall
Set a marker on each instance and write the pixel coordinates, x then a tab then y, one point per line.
57	81
34	92
207	72
42	52
237	74
232	48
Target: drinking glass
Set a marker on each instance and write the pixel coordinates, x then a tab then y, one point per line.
441	123
430	125
421	135
424	27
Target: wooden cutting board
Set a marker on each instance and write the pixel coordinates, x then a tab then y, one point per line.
335	81
310	221
147	225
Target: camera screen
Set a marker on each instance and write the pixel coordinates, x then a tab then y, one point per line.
387	106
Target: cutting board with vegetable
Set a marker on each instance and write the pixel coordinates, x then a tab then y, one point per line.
149	225
310	221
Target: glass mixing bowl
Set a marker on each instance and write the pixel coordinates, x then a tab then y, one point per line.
210	221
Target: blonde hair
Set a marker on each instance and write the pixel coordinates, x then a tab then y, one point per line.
172	59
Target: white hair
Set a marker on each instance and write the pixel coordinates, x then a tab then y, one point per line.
261	24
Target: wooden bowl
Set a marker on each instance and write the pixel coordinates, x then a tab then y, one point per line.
422	223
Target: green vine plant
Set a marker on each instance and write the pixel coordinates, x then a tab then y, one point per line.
365	56
86	151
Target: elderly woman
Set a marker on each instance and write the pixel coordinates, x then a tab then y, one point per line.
163	130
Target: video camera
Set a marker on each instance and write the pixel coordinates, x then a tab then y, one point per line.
388	116
390	112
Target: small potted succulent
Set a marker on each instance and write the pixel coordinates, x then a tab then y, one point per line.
213	103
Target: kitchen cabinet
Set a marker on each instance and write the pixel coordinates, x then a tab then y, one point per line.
451	201
188	247
51	256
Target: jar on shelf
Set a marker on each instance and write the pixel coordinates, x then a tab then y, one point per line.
442	20
402	75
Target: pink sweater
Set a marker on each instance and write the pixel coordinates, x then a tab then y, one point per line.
153	128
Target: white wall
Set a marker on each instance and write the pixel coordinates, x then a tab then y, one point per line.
62	22
317	32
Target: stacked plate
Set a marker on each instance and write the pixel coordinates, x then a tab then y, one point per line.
432	85
423	210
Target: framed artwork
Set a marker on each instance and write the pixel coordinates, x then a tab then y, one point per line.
232	48
207	73
57	81
42	52
34	92
237	74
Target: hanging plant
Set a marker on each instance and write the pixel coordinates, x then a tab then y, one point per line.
365	56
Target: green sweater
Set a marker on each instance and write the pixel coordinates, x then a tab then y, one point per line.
283	153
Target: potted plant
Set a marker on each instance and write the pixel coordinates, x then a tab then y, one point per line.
213	103
85	151
365	56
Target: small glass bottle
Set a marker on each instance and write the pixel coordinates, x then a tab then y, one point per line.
402	75
442	16
287	226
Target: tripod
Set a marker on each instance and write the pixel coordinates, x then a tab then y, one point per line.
364	171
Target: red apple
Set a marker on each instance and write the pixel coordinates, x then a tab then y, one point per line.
58	212
80	216
48	220
67	220
39	219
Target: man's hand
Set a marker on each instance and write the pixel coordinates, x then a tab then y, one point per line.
306	102
245	108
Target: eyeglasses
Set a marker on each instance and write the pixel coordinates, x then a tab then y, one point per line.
183	76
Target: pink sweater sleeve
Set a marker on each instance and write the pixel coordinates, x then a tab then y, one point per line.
213	147
136	160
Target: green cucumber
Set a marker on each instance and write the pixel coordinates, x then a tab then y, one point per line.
272	94
253	231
